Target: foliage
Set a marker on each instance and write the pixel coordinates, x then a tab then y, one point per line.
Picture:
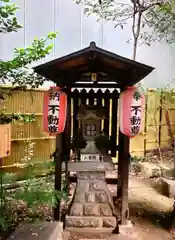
161	19
17	117
108	10
22	200
16	71
103	143
8	21
152	20
32	193
78	142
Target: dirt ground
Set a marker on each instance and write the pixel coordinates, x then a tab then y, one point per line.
149	210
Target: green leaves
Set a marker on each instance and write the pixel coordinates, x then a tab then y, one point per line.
8	21
31	200
26	118
16	70
157	21
34	192
78	142
108	10
160	19
103	142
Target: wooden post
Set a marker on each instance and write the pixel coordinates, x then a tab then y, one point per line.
145	122
66	138
123	176
75	95
115	97
107	110
58	173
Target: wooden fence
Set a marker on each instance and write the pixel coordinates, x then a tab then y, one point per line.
31	101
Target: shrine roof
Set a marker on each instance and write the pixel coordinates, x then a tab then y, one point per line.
77	67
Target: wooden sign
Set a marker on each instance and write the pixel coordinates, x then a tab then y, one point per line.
5	140
90	157
54	111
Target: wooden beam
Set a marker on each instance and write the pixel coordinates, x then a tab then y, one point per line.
67	137
75	96
98	85
107	111
115	96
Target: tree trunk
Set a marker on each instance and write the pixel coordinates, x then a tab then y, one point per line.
134	49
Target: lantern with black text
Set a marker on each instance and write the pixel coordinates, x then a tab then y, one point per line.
54	111
131	111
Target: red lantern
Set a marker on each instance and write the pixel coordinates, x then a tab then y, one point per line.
131	111
54	111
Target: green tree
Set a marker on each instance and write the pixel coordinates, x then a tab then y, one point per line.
16	70
161	20
151	19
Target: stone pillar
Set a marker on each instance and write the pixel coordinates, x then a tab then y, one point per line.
92	204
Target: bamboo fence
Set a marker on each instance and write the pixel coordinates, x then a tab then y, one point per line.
155	130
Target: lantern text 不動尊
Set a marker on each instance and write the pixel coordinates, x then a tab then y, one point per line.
53	111
135	120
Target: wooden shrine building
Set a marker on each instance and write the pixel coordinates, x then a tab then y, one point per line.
94	68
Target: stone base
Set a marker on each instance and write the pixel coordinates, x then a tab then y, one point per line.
167	171
90	222
39	230
166	187
126	229
149	169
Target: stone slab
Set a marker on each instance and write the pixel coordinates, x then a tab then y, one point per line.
166	171
90	166
65	235
111	174
125	237
89	231
126	229
166	187
90	222
39	231
150	170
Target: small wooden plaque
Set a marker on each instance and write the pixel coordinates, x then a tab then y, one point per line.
5	140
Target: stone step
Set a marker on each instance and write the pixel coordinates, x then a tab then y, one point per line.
38	230
94	232
166	187
90	222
